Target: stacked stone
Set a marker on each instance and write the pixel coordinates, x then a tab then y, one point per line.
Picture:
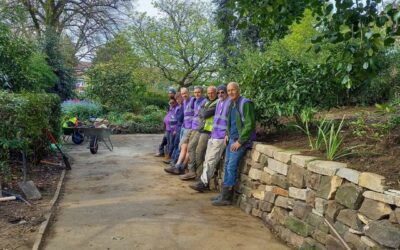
298	196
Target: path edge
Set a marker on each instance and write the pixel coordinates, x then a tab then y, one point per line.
49	216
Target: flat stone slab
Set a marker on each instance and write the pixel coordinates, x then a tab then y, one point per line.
375	210
277	166
297	193
280	191
284	202
384	233
284	156
325	167
266	149
255	174
280	180
372	181
386	198
302	160
298	226
349	174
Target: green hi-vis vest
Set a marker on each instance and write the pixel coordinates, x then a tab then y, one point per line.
70	122
208	123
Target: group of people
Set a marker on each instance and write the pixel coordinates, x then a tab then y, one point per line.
199	129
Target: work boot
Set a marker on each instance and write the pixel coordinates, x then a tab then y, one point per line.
226	197
188	176
176	170
159	155
199	186
167	161
216	197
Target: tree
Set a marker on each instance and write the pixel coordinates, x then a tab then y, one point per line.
22	65
363	27
182	43
112	81
57	61
86	23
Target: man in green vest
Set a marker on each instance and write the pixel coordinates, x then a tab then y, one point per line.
197	148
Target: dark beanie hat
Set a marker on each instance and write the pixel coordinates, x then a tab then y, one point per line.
172	90
221	87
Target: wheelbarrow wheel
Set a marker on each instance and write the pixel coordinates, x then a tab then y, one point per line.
94	145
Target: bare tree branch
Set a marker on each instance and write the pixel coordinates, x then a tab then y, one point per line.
100	19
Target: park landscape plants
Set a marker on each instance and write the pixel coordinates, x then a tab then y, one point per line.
24	118
82	109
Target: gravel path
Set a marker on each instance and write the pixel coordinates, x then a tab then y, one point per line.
124	200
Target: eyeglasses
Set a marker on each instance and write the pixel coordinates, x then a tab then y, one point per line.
221	92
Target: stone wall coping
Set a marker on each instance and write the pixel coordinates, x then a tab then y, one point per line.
331	168
386	198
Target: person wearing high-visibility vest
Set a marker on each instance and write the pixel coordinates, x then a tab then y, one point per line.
188	113
216	144
71	122
197	150
240	134
164	140
171	121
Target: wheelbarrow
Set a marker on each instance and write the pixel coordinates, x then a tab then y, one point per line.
96	136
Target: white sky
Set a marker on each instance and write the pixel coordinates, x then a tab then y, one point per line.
145	6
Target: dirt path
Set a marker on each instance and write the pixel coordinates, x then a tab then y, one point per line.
124	200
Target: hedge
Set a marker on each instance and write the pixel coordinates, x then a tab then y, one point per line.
23	120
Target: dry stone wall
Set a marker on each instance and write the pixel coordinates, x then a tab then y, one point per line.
296	194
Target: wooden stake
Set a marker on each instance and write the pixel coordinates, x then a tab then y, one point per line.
337	234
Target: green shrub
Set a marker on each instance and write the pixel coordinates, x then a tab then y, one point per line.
149	121
154	99
83	109
146	128
22	66
150	109
24	118
286	87
133	117
115	118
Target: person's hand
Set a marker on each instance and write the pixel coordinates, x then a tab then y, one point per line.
174	133
226	140
235	146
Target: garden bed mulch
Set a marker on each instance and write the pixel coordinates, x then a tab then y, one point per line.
380	157
20	223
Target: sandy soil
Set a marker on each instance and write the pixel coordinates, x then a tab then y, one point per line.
124	200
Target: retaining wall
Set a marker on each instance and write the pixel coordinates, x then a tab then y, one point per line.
294	194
